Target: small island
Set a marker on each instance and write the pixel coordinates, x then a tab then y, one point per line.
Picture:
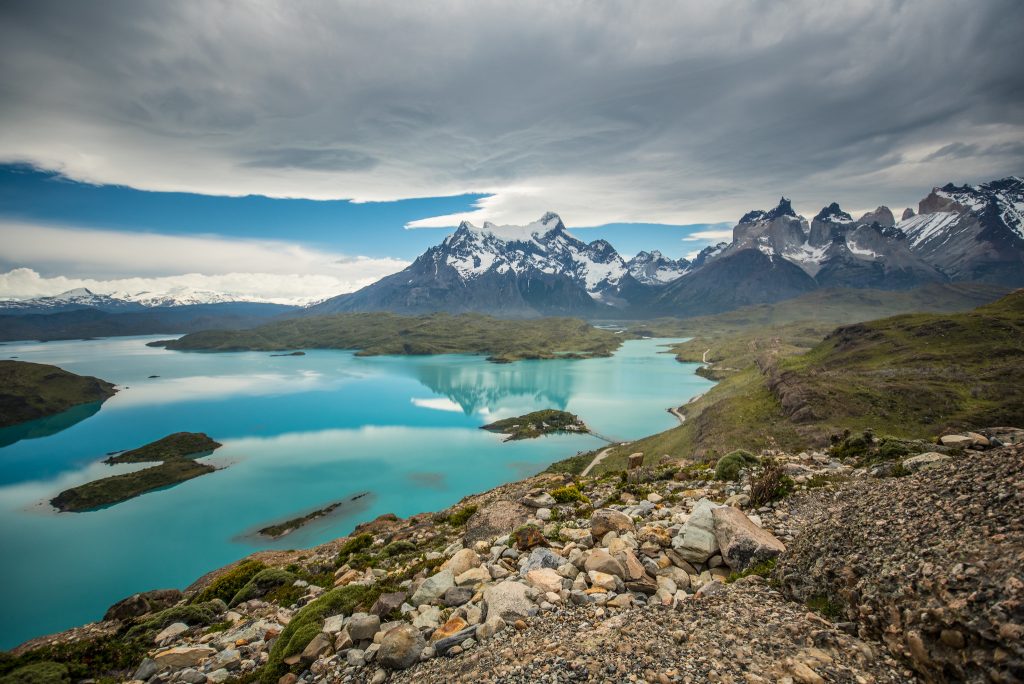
176	456
29	391
279	530
536	424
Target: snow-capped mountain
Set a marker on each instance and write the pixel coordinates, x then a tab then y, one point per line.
654	268
972	232
117	302
539	268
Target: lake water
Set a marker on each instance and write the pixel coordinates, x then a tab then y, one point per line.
298	433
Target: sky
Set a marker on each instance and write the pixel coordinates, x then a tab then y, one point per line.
291	151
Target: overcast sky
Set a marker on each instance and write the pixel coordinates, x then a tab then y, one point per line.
636	112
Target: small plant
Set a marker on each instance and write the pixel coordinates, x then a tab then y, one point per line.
568	494
769	484
729	466
227	585
397	548
262	583
763	569
852	447
459	517
352	546
825	606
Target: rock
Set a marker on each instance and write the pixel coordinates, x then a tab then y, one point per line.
228	659
147	669
527	537
572	534
380	676
433	588
602	561
362	626
170	631
956	441
710	589
605	520
401	647
218	676
488	629
494	520
191	676
544	514
655	534
320	645
634	569
463	560
290	678
509	600
140	604
603	580
428	617
448	643
979	439
545	579
635	461
738	501
183	656
333	624
355	657
473	577
542	557
538	498
927	460
388	603
742	542
454	625
457	596
696	542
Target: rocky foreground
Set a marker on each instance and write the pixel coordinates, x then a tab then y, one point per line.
868	564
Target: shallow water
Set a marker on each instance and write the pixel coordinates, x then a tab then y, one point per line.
299	433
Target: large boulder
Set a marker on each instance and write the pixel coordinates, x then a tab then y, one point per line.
602	561
545	579
463	560
508	600
495	520
140	604
183	656
927	460
741	541
388	603
401	647
433	588
542	557
605	520
697	542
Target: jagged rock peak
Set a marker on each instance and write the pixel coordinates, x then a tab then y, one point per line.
908	213
882	216
833	214
784	208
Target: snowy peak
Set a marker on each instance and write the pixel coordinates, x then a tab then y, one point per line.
784	208
653	268
833	214
83	298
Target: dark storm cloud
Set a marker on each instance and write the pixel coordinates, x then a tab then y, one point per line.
655	111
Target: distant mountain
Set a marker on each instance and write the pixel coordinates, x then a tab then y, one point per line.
653	268
972	232
83	298
539	269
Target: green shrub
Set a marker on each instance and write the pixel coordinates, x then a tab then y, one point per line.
851	447
261	583
459	517
825	606
762	569
46	672
308	622
568	494
354	545
227	585
191	615
397	548
730	465
769	484
111	656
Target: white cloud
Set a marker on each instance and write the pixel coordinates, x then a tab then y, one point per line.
437	404
109	261
710	235
672	111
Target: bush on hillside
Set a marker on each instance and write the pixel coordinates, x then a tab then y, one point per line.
730	465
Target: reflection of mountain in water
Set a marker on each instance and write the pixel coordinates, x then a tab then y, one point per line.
51	425
476	387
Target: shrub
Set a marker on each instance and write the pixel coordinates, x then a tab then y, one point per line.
397	548
227	585
46	672
459	517
109	656
191	615
354	545
308	622
261	583
825	606
730	465
769	484
568	494
763	569
851	447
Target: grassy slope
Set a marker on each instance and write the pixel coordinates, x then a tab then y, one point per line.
741	411
175	452
33	390
385	333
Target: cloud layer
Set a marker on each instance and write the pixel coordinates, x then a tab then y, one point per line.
112	261
671	112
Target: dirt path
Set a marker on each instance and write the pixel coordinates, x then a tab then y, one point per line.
678	414
597	459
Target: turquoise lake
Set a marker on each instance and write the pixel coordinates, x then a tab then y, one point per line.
298	433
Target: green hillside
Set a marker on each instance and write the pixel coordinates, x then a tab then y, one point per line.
384	333
34	390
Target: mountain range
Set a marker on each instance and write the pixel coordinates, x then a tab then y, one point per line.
83	298
959	233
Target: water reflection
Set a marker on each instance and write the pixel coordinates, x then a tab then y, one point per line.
488	388
51	425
